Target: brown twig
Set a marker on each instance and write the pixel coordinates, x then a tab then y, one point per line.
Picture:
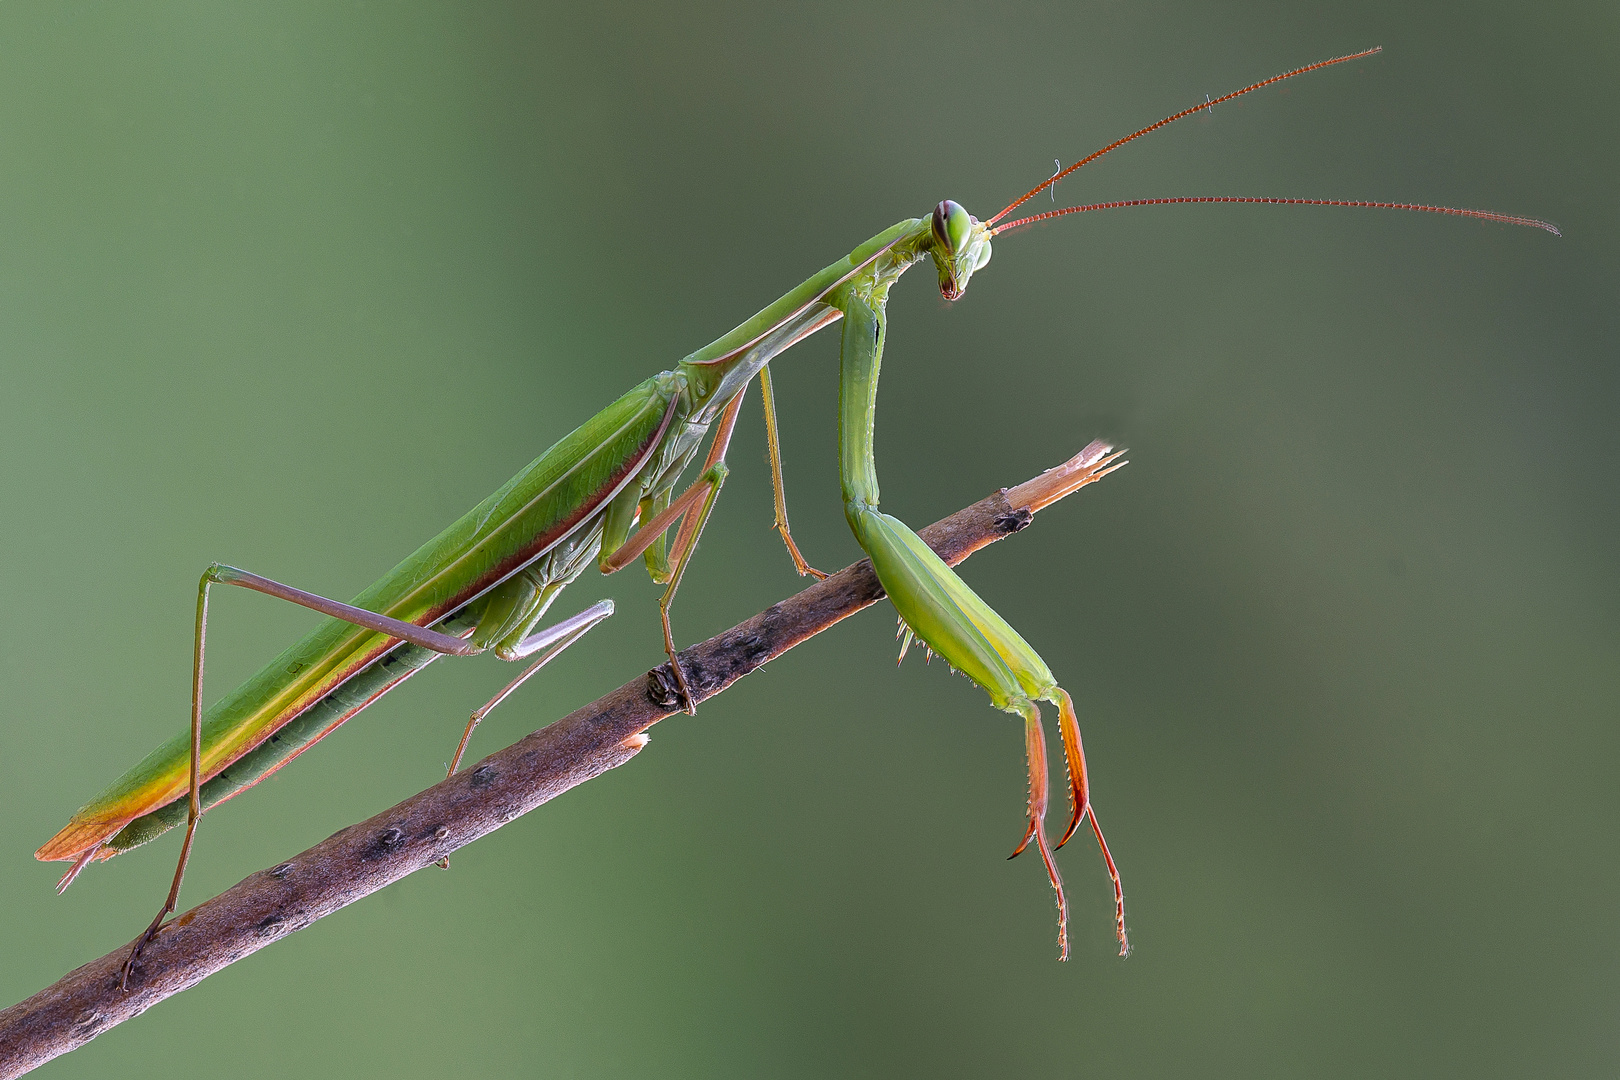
360	860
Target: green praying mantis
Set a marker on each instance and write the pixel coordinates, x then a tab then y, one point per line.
606	494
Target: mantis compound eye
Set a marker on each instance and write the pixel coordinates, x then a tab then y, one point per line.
953	226
960	246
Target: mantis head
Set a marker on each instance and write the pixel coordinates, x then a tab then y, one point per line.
961	246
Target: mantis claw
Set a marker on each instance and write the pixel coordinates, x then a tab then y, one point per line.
1074	757
1029	834
135	954
1035	756
687	702
1080	800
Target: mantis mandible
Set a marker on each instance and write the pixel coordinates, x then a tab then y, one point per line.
606	494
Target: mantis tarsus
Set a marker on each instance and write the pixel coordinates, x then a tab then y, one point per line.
606	493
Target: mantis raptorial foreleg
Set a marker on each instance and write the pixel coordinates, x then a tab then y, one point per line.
938	607
1035	758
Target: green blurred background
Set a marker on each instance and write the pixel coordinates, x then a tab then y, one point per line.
291	286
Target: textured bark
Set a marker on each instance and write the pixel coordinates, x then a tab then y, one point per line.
363	858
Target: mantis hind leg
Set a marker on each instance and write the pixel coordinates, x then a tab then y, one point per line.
230	575
549	643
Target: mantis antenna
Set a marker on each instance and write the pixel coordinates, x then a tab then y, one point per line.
1206	104
1202	105
1483	215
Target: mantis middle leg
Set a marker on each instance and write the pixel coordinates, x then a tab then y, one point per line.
692	509
773	447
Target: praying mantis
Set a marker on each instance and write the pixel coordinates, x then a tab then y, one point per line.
607	494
